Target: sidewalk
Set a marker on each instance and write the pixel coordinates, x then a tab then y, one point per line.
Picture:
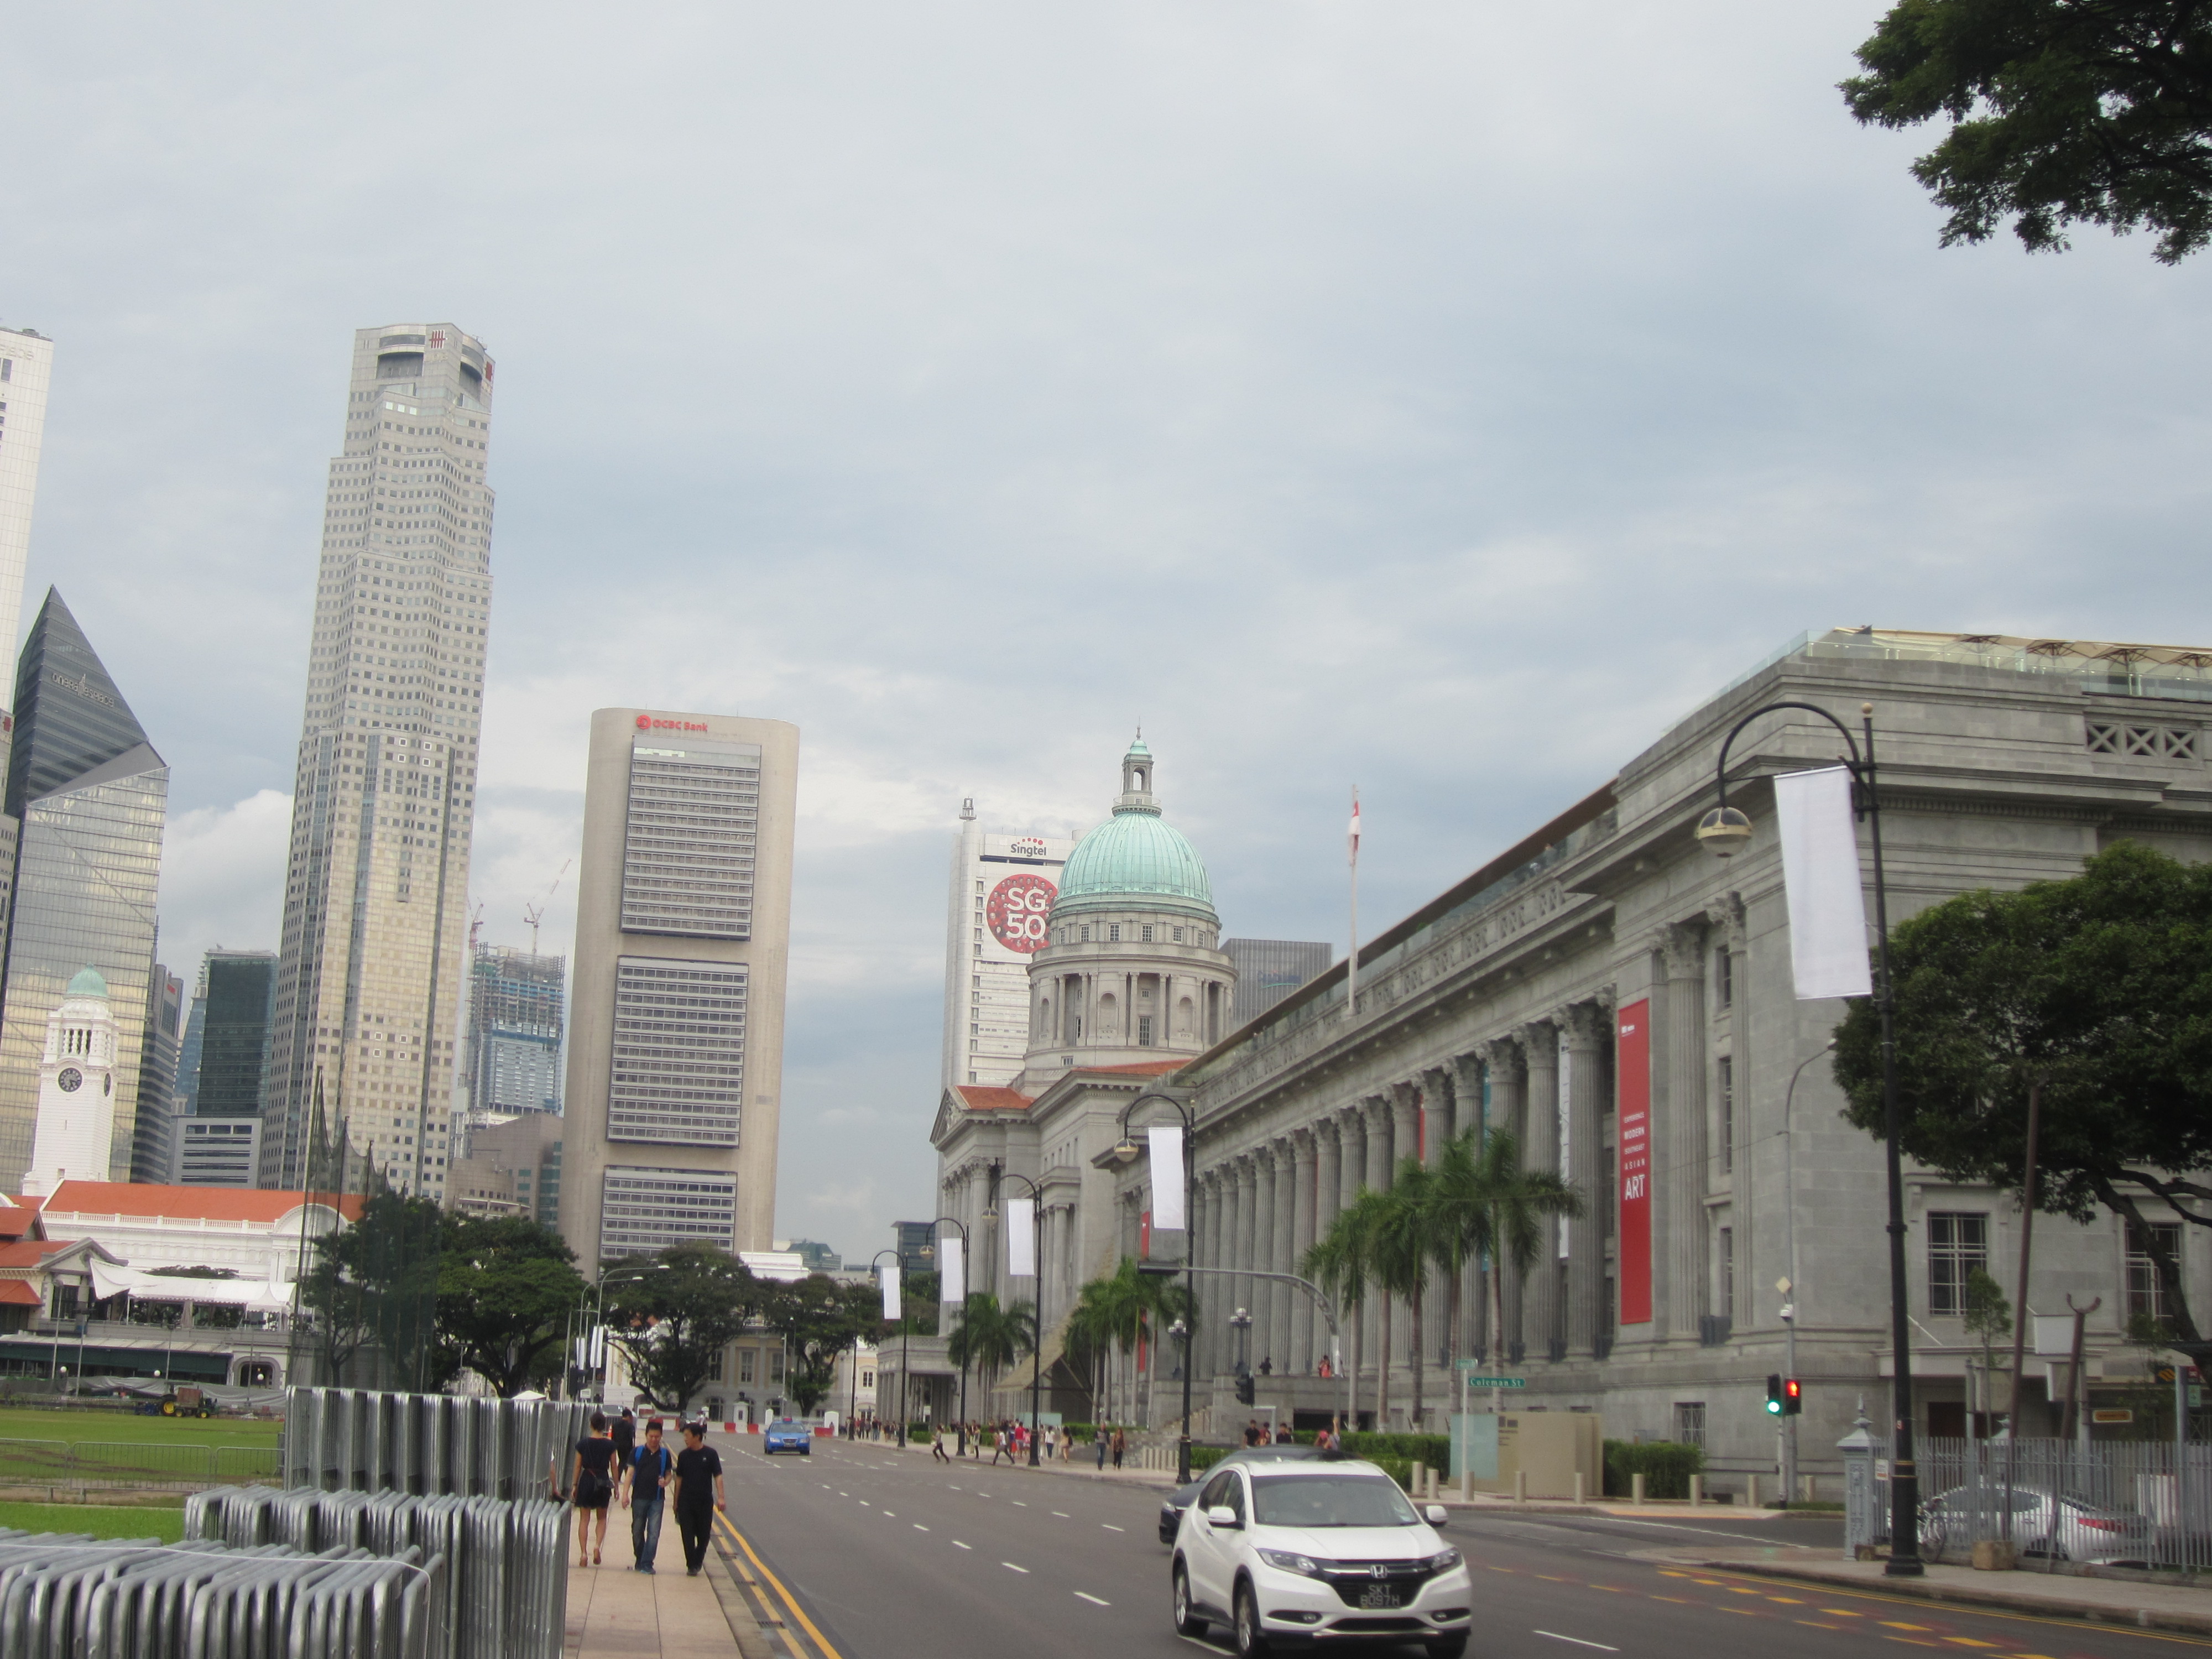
613	1610
2111	1601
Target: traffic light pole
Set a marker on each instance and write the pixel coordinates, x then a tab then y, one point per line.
1328	1309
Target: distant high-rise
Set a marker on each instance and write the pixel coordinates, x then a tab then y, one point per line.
91	797
1002	890
1269	970
368	980
152	1137
238	993
514	1032
27	362
676	1022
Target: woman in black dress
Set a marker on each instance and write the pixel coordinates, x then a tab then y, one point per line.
591	1484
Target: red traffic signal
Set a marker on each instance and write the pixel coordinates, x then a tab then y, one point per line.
1793	1396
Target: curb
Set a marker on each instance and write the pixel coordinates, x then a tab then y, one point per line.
2181	1620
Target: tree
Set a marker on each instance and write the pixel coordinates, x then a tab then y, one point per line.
1410	1237
818	1320
1342	1262
989	1337
1988	1321
673	1314
1501	1211
506	1289
376	1282
2098	990
2061	112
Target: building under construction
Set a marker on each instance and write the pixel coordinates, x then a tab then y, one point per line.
515	1023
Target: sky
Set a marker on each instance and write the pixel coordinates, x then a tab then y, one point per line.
1436	397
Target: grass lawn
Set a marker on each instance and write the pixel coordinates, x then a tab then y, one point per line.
165	1522
78	1423
65	1446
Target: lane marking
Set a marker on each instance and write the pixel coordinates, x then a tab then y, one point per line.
1916	1602
1017	1503
887	1514
918	1527
1011	1567
1063	1515
789	1600
957	1545
1814	1624
1110	1526
1578	1641
1894	1624
1085	1596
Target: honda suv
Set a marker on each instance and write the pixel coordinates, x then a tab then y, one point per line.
1302	1552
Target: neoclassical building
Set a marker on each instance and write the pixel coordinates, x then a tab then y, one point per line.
1624	1002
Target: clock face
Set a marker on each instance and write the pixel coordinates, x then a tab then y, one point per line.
71	1079
1017	911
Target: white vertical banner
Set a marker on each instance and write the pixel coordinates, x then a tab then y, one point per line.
1820	874
890	1278
1021	1237
1167	1179
951	1272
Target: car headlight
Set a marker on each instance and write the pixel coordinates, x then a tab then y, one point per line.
1442	1561
1289	1561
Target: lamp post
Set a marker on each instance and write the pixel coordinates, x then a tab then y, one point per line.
1127	1153
966	1266
1723	831
1037	1325
904	1389
609	1274
1788	1287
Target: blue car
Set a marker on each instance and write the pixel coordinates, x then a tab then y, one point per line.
786	1435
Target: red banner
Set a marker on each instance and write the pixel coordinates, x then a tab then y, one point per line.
1633	1068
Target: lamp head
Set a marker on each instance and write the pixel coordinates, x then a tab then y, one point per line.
1723	832
990	1215
1126	1152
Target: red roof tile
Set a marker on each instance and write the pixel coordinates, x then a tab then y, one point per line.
15	1292
1142	1068
982	1097
185	1203
26	1253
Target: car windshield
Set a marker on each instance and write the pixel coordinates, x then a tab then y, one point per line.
1330	1500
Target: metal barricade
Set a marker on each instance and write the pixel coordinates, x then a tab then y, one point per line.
366	1440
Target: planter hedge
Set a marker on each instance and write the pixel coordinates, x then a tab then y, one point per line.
1665	1465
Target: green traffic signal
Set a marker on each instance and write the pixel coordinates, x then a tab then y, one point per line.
1774	1396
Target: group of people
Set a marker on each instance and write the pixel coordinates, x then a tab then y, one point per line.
611	1464
1329	1438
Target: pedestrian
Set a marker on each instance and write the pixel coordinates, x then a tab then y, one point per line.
623	1433
1098	1443
1282	1434
1120	1446
937	1447
1253	1432
645	1489
998	1444
696	1494
1051	1437
591	1484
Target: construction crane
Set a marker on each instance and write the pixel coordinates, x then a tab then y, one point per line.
475	926
532	913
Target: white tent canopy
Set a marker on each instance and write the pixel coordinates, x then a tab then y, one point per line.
254	1295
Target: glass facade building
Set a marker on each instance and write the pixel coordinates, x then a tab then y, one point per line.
153	1138
239	989
1269	970
90	798
515	1019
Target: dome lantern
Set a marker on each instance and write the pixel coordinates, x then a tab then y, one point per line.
1136	859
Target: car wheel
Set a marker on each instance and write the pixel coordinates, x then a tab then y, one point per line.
1186	1623
1448	1647
1251	1640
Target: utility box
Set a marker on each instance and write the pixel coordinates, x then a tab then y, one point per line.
1550	1447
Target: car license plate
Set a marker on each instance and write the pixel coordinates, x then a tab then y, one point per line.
1378	1595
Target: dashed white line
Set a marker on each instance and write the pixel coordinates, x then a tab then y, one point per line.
1011	1567
888	1516
957	1545
1063	1515
1578	1641
918	1527
1017	1503
1082	1595
1108	1525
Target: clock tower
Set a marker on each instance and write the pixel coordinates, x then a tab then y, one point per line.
76	1090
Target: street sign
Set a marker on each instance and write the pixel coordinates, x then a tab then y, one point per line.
1496	1382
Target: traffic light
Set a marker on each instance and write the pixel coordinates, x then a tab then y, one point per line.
1793	1396
1248	1391
1774	1407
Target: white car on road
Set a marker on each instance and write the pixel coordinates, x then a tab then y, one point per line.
1300	1552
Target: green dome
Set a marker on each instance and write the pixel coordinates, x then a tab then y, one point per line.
87	983
1135	857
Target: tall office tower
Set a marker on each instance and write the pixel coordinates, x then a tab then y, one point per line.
1269	970
675	1017
152	1137
1001	891
370	966
514	1032
91	798
238	1000
27	363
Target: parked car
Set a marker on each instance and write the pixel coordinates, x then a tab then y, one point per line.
1292	1551
787	1434
2042	1525
1173	1505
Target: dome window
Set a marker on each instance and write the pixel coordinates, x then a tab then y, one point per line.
1112	933
1086	933
1178	936
1148	933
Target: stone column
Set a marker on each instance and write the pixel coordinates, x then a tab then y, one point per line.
1681	1221
1212	1292
1328	1201
1436	1129
1282	1303
1466	1116
1247	1178
1507	1070
1727	930
1302	1238
1589	1027
1542	1328
1262	1303
1382	1166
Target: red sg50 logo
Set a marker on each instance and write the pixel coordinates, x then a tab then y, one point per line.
1017	910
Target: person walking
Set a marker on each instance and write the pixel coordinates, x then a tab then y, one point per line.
695	1493
622	1430
645	1488
998	1444
1098	1439
1120	1446
591	1474
937	1447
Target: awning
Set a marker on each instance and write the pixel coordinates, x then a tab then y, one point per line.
254	1295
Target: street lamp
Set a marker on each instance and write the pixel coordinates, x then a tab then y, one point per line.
1789	1286
611	1272
1127	1154
966	1266
1725	831
905	1388
1036	1325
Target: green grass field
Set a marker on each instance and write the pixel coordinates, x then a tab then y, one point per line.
66	1447
79	1423
166	1522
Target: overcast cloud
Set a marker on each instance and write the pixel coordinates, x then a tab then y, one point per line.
1439	397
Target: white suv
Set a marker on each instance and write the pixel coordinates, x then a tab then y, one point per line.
1310	1551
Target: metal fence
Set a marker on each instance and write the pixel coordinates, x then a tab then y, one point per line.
2111	1503
180	1464
367	1440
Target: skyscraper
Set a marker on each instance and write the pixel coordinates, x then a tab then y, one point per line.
152	1143
1002	890
238	993
514	1032
91	798
27	362
676	1020
369	967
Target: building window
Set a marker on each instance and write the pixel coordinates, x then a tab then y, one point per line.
1726	1094
1147	935
1178	936
744	1364
1727	1270
2146	1294
1086	933
1958	1245
1144	1030
1689	1422
1113	932
1725	977
775	1365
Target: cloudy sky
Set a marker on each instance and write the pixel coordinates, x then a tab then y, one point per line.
1436	396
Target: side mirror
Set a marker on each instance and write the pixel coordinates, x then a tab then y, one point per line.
1435	1515
1222	1515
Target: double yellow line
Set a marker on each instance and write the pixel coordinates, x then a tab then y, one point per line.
821	1641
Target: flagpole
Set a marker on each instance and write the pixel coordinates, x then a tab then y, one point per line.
1351	961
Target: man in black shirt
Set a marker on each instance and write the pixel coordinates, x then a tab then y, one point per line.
623	1433
698	1492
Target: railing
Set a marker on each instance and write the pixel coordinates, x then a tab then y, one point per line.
160	1465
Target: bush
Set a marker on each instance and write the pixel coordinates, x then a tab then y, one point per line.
1665	1465
1081	1433
1433	1450
1205	1457
1400	1469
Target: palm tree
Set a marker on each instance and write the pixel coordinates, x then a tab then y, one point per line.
1114	1313
989	1337
1409	1238
1500	1211
1342	1262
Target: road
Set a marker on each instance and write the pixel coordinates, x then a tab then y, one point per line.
870	1552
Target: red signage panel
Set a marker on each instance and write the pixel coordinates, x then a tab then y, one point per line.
1632	1033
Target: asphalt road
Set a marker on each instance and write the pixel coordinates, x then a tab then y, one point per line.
885	1554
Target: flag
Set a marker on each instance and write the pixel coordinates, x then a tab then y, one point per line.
890	1280
1822	880
950	1274
1167	1177
1354	854
1021	1237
